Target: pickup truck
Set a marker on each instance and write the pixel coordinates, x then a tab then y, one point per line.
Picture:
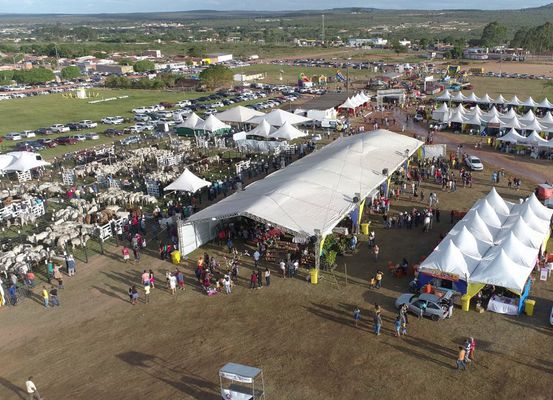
88	124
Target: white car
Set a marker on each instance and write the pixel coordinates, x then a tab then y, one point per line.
142	117
92	136
87	124
165	114
184	103
113	120
59	128
144	126
13	136
28	134
474	163
79	138
140	110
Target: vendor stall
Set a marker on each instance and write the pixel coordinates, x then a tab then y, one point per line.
503	305
241	382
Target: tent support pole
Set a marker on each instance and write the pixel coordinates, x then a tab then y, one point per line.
318	250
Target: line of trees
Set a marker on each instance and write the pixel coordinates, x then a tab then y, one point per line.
27	77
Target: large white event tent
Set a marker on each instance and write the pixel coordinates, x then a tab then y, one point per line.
264	129
212	124
278	118
496	243
187	182
21	161
239	114
191	122
459	97
287	132
312	195
512	136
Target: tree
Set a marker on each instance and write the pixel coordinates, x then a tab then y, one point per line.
70	73
144	66
195	51
216	76
397	47
493	34
33	76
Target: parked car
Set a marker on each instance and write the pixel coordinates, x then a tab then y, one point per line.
113	120
74	126
142	117
13	136
79	138
130	140
59	128
29	146
435	308
113	132
88	124
131	129
474	163
92	136
28	134
47	142
418	118
43	131
66	140
184	103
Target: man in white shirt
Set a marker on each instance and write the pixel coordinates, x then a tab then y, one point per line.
32	390
256	257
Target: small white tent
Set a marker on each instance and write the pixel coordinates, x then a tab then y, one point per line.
187	182
534	139
288	132
25	161
545	104
239	114
512	136
212	124
445	96
264	129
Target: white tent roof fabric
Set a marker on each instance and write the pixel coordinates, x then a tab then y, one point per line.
21	161
316	192
187	182
191	122
486	99
212	124
239	114
288	132
264	129
279	117
496	243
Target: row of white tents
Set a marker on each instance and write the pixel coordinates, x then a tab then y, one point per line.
21	161
459	97
496	243
354	102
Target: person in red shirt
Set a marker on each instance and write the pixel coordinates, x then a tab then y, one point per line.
253	280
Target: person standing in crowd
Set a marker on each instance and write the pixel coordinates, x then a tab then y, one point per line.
147	289
259	279
422	309
356	316
54	296
377	322
180	279
267	277
145	278
45	296
227	285
376	250
397	326
283	268
256	256
126	254
379	275
133	294
472	348
173	283
152	279
253	280
70	261
461	359
32	391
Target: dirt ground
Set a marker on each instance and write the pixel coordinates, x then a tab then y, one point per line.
98	346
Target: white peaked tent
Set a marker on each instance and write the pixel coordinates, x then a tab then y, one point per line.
264	129
547	118
492	112
510	123
364	97
486	99
472	98
498	203
533	126
473	120
510	114
500	270
460	108
545	104
534	139
445	96
494	120
187	182
500	100
349	104
530	102
458	97
212	124
5	160
357	99
443	108
239	114
489	215
514	101
469	245
528	117
279	117
448	258
23	161
191	122
288	132
525	234
477	111
516	250
512	136
541	212
457	117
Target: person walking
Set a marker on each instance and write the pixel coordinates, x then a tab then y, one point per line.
397	326
379	275
54	296
253	280
180	280
461	359
152	279
283	268
45	296
377	323
422	309
376	250
133	294
70	261
472	348
32	391
173	284
267	277
356	315
145	278
126	254
147	289
227	285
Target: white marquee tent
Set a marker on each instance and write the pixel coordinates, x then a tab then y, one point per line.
21	161
288	132
239	114
187	182
264	129
279	117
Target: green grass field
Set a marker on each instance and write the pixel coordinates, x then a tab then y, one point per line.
509	87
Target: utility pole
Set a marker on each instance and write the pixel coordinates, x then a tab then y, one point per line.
323	30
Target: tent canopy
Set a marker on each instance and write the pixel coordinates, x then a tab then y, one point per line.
316	192
239	114
264	129
22	161
187	182
212	124
288	132
191	122
278	117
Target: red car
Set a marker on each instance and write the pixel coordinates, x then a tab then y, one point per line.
66	140
47	142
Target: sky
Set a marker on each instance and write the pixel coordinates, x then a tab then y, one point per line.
121	6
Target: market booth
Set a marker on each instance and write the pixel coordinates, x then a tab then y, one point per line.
492	251
241	382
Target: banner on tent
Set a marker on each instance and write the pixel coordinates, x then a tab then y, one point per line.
441	275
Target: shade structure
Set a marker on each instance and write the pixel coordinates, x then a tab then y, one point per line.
280	117
469	245
492	112
264	129
534	139
533	126
514	101
288	132
473	120
191	122
460	108
23	161
349	104
5	160
443	108
316	192
444	96
512	136
498	203
213	125
500	100
529	102
187	182
545	103
547	118
486	99
457	117
239	114
512	123
510	114
472	98
494	120
528	117
458	97
448	258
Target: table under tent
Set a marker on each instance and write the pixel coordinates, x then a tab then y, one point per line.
495	246
241	382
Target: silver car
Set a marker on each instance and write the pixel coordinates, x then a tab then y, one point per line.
434	304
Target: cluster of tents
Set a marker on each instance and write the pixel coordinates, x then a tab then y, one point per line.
500	100
496	243
353	103
278	124
21	161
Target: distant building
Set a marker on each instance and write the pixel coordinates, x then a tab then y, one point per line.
217	58
114	69
248	77
373	42
152	53
476	53
405	43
